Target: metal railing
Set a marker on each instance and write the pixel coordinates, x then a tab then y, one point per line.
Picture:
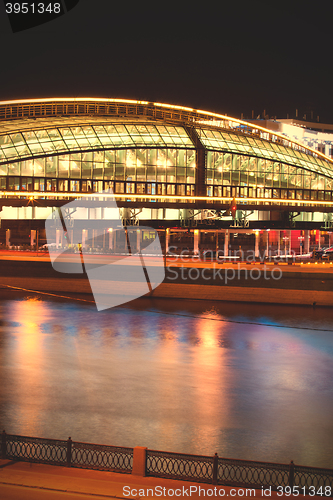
67	453
232	472
196	468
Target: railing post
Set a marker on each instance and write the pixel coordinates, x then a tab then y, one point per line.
291	474
139	461
69	451
215	468
3	445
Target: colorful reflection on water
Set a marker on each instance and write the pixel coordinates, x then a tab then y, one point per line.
245	381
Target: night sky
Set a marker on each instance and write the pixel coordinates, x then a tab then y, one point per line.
230	57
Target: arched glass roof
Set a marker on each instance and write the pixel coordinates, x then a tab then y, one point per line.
45	127
87	135
236	143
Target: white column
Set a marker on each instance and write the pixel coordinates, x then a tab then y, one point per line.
84	237
289	242
196	242
226	243
306	241
110	231
256	248
330	238
59	234
8	237
167	238
138	240
32	237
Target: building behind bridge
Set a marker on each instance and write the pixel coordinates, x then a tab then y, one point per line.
172	168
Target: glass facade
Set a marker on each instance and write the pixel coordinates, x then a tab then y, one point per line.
251	146
162	154
230	174
142	171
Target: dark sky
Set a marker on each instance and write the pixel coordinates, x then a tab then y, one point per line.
230	57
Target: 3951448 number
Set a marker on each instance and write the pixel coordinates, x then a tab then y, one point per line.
33	8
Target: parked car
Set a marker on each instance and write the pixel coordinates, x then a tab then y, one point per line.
318	254
327	254
48	246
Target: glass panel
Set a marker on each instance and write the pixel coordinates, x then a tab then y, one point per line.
119	187
27	167
16	139
75	186
75	168
151	173
51	166
14	169
14	183
119	173
108	171
98	171
39	167
54	134
63	166
3	169
63	185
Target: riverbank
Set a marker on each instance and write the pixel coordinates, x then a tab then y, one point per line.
100	484
308	284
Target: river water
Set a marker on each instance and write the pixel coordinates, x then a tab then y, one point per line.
245	381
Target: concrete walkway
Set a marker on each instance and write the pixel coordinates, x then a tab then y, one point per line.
49	478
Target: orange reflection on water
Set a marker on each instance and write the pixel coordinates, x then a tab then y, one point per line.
28	355
210	377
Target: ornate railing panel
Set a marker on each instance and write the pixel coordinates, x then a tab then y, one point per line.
244	472
101	457
70	453
179	466
313	477
52	451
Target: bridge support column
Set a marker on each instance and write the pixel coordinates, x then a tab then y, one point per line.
226	243
196	241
